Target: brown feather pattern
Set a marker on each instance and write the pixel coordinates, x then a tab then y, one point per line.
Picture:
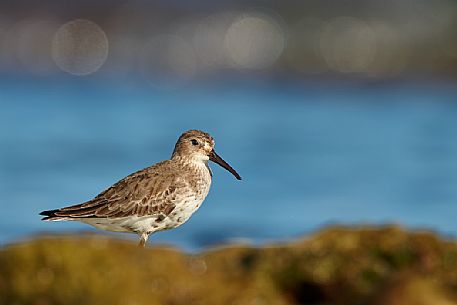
146	192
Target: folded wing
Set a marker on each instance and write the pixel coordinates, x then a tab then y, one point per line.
147	192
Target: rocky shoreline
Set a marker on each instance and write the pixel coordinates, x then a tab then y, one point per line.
337	265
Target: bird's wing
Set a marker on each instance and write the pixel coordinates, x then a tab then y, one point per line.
151	191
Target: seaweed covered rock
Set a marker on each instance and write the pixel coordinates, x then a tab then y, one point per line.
338	265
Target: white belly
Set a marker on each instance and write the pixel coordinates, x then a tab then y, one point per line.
147	224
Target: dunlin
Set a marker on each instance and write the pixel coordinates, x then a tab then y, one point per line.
159	197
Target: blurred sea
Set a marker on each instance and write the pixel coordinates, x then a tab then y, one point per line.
310	153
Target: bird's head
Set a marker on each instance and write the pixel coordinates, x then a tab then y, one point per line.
199	145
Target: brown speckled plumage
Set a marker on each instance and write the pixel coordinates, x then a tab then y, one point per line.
159	197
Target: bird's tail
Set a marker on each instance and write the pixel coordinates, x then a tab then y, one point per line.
50	215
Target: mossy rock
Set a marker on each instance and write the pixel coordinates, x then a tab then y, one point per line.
338	265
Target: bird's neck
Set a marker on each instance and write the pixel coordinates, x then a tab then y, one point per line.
190	158
193	163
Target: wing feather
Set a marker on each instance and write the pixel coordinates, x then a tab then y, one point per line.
151	191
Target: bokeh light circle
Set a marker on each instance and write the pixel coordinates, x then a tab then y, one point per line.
348	45
80	47
254	41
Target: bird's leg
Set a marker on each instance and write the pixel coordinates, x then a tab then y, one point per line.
143	239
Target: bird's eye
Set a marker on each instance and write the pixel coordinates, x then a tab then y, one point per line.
194	142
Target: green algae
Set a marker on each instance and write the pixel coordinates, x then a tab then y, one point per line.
338	265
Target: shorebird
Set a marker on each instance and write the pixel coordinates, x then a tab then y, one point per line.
160	197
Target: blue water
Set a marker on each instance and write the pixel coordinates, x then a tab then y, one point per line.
310	154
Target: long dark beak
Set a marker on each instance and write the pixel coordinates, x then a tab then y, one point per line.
216	159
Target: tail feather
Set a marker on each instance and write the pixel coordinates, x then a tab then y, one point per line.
50	215
70	213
